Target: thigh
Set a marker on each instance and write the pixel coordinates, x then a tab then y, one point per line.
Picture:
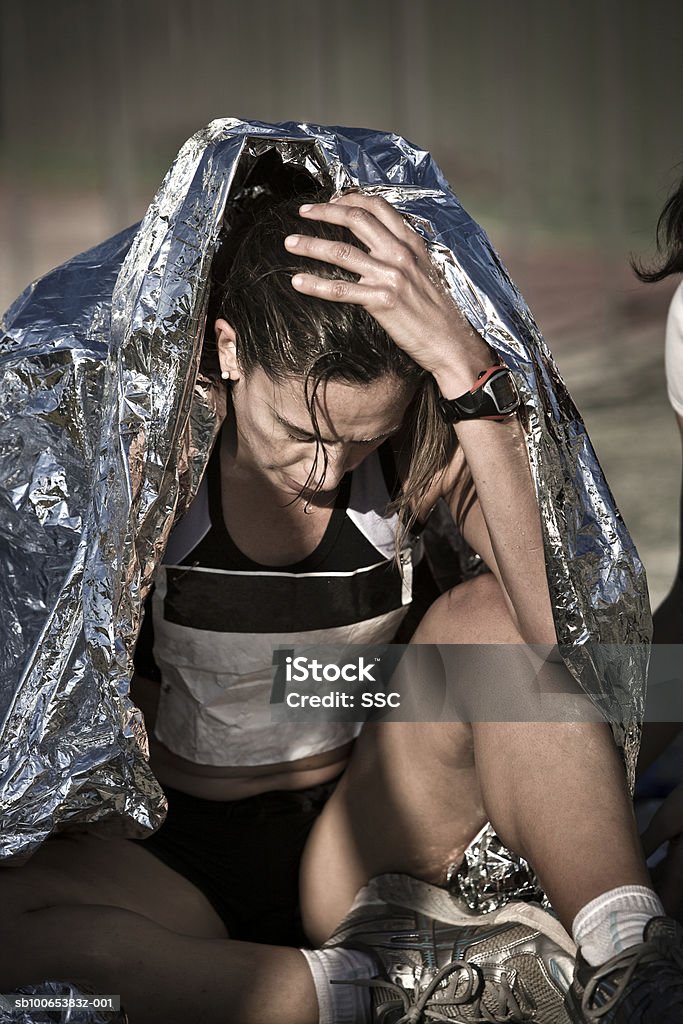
410	800
162	977
80	868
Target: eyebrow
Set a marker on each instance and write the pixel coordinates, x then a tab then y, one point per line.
307	432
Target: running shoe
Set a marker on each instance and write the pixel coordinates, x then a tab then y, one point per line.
438	962
641	985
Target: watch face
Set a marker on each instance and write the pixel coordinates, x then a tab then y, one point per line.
498	396
503	392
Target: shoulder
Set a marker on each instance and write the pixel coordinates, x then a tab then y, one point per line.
674	351
674	323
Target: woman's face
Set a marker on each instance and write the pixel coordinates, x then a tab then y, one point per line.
275	434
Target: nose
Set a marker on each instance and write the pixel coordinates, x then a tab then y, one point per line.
341	459
337	465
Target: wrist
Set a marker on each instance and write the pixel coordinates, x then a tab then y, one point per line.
458	362
453	381
462	370
494	396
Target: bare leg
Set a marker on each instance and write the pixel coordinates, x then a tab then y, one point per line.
412	798
107	913
163	977
409	802
416	794
78	868
571	817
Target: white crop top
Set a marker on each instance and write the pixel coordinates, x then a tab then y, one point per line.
218	617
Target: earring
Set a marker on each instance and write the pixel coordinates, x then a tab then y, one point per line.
225	375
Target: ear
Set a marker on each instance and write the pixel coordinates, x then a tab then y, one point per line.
226	343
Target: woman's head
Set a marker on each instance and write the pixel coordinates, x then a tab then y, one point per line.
326	369
300	452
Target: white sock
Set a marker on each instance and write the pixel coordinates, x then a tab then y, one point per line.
614	921
341	1004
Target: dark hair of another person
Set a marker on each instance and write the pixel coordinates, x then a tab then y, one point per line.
669	241
287	334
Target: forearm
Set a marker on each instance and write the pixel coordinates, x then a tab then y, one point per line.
398	286
496	456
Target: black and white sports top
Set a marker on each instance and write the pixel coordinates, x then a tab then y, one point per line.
218	616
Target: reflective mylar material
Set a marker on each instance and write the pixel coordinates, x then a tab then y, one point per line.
491	875
104	434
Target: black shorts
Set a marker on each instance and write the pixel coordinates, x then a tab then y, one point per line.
244	855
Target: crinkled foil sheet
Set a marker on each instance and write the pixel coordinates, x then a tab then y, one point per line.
491	875
104	434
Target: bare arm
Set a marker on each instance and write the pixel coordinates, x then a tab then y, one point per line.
399	287
503	525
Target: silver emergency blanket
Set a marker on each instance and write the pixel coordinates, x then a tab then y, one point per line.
491	875
105	430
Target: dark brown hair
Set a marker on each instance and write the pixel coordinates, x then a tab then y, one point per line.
669	241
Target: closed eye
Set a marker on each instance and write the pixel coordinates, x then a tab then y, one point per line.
295	434
303	440
330	444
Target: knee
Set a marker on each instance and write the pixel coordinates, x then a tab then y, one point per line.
41	882
19	893
472	612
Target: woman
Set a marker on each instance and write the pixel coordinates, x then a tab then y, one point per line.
308	415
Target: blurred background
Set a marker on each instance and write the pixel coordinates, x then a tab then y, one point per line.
558	126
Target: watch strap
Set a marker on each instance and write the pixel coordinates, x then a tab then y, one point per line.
494	396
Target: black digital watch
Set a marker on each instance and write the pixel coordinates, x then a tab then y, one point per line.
493	397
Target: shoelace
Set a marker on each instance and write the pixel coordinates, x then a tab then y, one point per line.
631	958
508	1010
